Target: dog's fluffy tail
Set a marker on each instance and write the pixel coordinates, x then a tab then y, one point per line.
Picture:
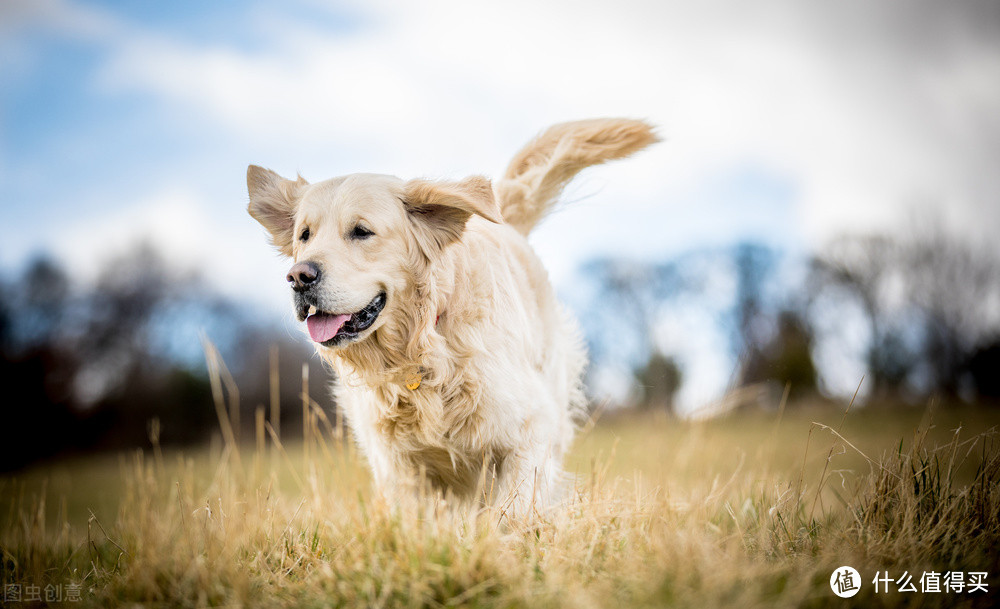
539	172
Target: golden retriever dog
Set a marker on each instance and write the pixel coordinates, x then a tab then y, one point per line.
455	363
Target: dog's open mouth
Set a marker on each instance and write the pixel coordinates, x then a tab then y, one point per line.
331	329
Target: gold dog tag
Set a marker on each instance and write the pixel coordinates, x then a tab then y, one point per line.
413	382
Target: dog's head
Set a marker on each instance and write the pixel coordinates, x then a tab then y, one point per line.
358	242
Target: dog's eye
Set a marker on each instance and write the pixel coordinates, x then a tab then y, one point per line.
305	234
360	232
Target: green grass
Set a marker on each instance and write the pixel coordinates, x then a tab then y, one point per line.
755	509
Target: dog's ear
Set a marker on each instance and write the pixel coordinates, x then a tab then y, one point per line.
441	209
273	200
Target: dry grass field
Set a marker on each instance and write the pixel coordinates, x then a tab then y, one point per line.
749	510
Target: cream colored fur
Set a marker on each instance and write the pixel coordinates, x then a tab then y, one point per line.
470	314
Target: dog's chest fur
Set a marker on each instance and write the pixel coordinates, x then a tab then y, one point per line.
435	431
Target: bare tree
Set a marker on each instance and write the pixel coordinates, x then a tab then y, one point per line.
956	288
621	322
930	300
785	357
659	380
866	269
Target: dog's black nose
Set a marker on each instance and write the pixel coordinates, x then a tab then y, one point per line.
302	275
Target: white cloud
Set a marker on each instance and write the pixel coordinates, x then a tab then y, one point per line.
839	100
232	257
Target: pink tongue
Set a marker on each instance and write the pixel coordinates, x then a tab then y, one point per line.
323	327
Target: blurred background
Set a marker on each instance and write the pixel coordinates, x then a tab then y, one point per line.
819	219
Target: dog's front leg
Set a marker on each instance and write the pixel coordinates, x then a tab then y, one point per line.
528	486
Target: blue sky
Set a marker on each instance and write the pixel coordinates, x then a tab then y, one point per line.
788	124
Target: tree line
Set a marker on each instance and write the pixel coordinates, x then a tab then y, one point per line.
87	366
923	309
